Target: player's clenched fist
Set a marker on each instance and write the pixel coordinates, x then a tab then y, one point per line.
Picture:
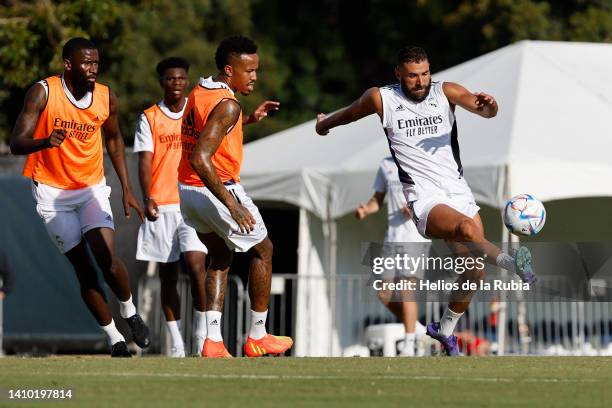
483	100
151	209
56	138
321	130
361	212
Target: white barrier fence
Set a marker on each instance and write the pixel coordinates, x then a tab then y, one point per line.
552	328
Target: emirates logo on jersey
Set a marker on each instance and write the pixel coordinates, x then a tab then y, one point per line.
420	126
420	121
77	130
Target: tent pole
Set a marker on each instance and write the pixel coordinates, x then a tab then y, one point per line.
303	343
331	259
502	311
333	282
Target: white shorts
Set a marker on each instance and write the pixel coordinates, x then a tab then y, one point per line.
69	214
204	212
463	203
164	239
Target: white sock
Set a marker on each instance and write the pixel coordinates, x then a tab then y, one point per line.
213	325
199	324
174	327
449	321
199	332
506	262
409	341
127	308
258	324
113	334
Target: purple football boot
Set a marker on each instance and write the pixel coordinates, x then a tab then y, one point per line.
449	343
522	260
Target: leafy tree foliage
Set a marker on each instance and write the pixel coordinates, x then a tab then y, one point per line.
315	56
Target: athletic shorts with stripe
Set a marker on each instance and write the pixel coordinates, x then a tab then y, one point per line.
204	212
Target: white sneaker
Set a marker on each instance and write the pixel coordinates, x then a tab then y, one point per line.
407	352
176	353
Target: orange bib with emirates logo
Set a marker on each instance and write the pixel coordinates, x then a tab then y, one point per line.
166	133
228	157
78	161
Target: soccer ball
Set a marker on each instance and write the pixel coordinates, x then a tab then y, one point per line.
524	215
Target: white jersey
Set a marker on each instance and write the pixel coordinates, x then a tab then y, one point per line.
422	138
400	228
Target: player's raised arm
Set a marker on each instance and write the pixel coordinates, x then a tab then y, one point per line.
479	103
219	123
22	136
370	102
261	112
116	150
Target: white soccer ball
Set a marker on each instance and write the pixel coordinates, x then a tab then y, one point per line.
524	215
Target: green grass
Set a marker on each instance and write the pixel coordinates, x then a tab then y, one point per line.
381	382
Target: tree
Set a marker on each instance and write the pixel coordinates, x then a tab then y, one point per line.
315	56
31	38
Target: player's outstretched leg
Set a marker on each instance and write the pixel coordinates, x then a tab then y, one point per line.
102	244
195	261
466	237
260	343
94	298
444	222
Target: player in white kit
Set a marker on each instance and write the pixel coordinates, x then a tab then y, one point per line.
401	235
418	118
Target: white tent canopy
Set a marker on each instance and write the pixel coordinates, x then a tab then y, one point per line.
551	135
551	138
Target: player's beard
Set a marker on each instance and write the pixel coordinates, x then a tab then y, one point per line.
413	96
83	84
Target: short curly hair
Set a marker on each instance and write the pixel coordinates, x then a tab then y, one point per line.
76	44
171	62
236	45
411	53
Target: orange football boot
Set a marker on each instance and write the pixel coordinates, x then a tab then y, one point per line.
267	345
215	349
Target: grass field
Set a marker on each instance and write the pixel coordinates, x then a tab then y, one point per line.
459	382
